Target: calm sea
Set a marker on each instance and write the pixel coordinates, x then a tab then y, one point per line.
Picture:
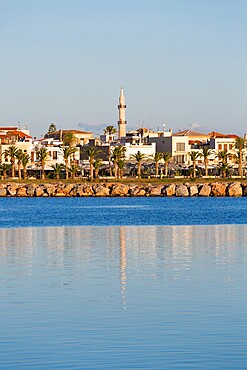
123	283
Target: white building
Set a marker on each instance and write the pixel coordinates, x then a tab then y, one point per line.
147	149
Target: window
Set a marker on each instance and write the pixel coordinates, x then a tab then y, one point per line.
180	147
230	146
54	155
179	159
220	146
225	146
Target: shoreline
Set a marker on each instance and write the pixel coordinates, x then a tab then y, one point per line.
121	189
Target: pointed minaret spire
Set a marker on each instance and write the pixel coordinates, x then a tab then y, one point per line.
121	123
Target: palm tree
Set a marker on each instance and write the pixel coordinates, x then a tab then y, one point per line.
24	161
67	152
240	144
223	155
5	167
69	139
42	154
138	157
157	157
194	156
110	130
58	167
167	157
97	164
52	128
91	152
18	156
223	168
118	154
205	154
11	152
121	164
73	169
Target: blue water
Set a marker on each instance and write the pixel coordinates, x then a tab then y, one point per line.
79	292
22	212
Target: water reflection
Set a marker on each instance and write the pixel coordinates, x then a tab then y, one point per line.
153	252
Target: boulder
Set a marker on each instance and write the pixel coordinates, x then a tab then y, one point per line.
235	190
101	191
141	192
39	191
21	192
137	191
218	189
244	190
133	189
170	190
119	190
50	190
205	191
59	193
31	190
154	190
181	191
12	189
3	192
193	190
85	191
67	189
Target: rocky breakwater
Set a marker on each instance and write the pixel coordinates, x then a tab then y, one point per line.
59	189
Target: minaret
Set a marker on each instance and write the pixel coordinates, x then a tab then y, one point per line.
121	123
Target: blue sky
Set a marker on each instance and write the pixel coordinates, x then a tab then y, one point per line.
182	62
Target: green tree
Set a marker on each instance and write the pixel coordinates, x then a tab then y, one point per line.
118	154
67	153
69	139
97	164
205	154
52	128
73	169
194	156
240	145
42	155
92	152
157	158
25	159
18	156
5	167
167	157
110	130
121	164
11	152
223	155
138	157
58	167
223	168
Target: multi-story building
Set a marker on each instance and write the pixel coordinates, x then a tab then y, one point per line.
13	136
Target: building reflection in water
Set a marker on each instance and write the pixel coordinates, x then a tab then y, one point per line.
139	253
123	264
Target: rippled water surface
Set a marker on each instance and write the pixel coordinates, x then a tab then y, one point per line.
22	212
123	297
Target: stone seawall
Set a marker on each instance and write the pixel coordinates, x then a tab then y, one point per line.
215	189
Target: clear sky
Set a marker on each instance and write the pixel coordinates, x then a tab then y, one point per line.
182	62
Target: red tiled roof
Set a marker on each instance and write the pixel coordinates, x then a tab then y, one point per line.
8	128
189	133
215	134
20	134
